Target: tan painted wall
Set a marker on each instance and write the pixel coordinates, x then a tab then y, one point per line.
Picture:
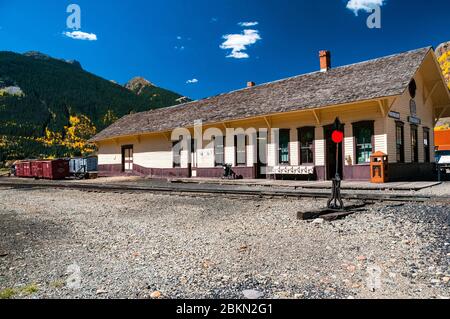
148	151
109	153
319	147
424	112
155	150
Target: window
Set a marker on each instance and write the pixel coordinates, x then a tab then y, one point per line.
219	155
193	145
363	133
426	144
283	151
412	88
176	149
414	145
306	141
400	141
240	145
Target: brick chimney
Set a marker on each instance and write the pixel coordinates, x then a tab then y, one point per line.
325	60
251	84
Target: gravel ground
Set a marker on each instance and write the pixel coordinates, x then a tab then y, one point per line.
72	244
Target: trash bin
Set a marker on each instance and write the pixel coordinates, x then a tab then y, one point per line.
379	163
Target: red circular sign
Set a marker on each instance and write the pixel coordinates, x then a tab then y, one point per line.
337	137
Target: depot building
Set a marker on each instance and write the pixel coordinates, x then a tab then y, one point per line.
283	129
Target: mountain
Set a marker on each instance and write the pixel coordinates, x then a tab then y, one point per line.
150	92
49	107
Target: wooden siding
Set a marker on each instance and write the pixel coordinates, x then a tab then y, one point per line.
424	112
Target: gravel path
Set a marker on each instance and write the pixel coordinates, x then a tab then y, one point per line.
72	244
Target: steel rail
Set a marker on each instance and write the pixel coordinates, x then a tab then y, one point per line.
216	191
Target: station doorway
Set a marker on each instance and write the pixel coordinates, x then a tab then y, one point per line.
127	158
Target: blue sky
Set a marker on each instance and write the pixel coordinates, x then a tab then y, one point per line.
170	42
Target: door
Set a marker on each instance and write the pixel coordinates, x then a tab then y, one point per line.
127	158
333	153
261	154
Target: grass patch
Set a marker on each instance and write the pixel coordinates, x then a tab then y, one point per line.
7	293
29	289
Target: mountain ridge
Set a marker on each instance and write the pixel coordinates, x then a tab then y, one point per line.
44	99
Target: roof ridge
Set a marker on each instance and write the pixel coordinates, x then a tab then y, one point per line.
335	68
303	74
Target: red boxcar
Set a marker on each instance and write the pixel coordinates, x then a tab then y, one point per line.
19	169
37	169
56	169
26	169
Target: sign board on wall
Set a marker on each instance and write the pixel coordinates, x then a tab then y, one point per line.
394	115
414	120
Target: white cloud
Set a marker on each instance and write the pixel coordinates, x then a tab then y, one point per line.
181	48
79	35
364	5
193	81
248	24
239	42
179	37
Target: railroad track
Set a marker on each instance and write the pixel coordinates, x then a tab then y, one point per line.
208	190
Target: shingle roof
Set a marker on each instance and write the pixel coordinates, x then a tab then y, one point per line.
382	77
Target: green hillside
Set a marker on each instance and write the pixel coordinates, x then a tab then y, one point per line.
43	100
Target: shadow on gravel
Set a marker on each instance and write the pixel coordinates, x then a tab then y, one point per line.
18	234
272	290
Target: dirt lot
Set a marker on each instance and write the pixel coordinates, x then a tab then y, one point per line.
72	244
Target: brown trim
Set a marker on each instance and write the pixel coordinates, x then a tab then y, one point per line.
321	173
397	172
161	173
360	172
246	172
110	170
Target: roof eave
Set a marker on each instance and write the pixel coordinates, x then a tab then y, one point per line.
112	138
